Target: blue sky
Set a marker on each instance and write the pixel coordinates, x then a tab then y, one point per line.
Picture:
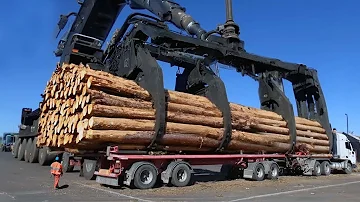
321	34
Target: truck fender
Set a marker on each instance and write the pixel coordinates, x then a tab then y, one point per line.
267	165
129	174
249	171
166	174
307	166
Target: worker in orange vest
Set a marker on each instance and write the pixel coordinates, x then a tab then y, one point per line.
56	171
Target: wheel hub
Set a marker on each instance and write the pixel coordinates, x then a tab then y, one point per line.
274	172
327	168
88	167
259	172
146	177
181	175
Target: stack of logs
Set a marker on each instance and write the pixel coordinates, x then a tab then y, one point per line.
87	109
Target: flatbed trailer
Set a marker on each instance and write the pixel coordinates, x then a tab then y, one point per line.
143	171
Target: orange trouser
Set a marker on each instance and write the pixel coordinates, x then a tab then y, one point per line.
56	181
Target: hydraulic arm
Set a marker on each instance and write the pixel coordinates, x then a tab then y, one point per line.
95	19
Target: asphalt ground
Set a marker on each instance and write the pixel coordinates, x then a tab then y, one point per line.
26	182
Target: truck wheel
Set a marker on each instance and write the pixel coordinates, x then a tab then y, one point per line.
348	169
33	152
145	177
43	152
15	151
21	151
66	162
259	172
46	157
325	168
89	168
181	175
317	169
273	172
27	150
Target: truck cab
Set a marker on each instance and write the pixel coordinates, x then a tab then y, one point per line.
8	141
343	150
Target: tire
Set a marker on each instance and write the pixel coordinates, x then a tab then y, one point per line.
148	171
259	172
325	168
21	152
43	152
274	172
34	152
27	150
317	169
89	168
16	147
66	163
181	175
348	169
46	157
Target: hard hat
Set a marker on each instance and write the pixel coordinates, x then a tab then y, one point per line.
56	158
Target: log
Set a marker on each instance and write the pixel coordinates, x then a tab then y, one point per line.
144	138
98	97
86	109
113	101
134	113
271	115
145	111
100	123
130	87
310	141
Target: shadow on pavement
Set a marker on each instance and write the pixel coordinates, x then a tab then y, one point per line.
204	175
63	186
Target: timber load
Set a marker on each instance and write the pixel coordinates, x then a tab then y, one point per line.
85	109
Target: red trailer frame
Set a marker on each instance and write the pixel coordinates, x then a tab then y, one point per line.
117	169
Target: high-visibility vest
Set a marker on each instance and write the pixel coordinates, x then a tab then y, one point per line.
56	168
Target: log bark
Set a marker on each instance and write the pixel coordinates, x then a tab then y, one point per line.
310	141
145	137
100	123
126	87
177	117
312	135
275	126
98	97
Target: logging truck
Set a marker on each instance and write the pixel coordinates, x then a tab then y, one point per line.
142	169
87	114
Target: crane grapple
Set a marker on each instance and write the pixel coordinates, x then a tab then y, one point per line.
143	39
